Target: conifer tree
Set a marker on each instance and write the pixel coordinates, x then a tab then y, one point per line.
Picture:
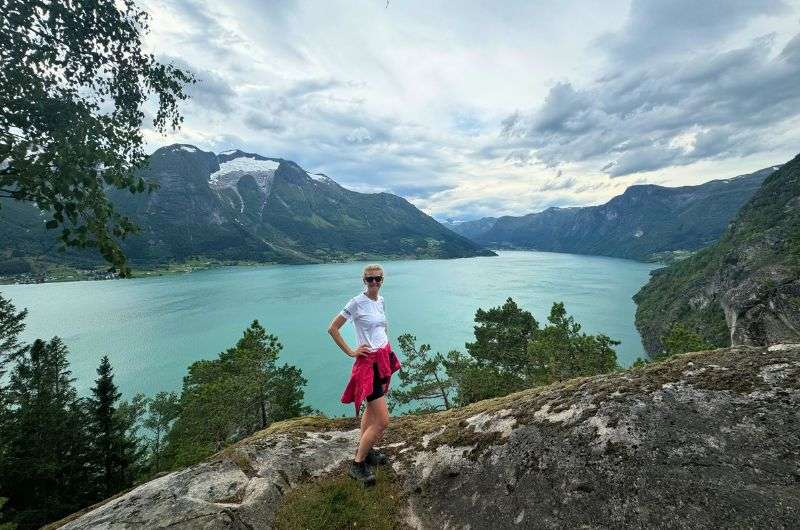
561	351
682	339
502	335
285	394
113	450
130	414
11	325
43	467
512	352
228	398
424	377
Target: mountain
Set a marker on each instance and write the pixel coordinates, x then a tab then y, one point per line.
472	229
639	224
702	440
745	289
244	206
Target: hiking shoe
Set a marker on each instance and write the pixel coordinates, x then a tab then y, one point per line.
361	472
376	458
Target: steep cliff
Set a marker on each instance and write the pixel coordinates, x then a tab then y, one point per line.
745	289
702	440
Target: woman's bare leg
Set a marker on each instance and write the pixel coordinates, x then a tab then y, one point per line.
365	421
375	426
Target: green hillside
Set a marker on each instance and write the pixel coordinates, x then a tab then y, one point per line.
744	289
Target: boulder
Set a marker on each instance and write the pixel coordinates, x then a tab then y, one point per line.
706	439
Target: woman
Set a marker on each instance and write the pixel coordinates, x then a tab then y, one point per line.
372	370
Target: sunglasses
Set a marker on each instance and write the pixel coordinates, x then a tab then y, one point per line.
377	279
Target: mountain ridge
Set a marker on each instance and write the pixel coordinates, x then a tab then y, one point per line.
241	206
643	222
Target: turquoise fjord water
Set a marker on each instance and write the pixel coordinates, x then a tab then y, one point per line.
153	328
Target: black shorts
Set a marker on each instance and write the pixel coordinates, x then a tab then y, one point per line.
377	383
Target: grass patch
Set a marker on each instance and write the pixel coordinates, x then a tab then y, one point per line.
338	502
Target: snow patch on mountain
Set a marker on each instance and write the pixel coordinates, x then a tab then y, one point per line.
319	177
230	171
247	164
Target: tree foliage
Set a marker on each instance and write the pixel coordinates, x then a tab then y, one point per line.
74	80
511	352
11	325
228	398
681	339
43	467
561	351
112	429
424	378
502	335
5	526
162	411
60	452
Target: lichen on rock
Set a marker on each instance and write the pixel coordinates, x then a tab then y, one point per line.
707	439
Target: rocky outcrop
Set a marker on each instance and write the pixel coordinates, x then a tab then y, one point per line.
745	289
708	439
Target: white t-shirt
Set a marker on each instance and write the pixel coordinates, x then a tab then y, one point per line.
369	319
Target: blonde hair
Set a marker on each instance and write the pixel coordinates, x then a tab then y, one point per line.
371	267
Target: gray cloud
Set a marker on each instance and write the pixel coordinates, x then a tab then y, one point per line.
261	121
384	100
210	91
711	106
658	29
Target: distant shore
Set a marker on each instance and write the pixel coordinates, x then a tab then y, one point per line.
66	273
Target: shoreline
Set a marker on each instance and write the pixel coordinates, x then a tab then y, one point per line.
65	273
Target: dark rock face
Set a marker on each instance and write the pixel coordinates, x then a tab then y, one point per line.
642	222
702	440
745	289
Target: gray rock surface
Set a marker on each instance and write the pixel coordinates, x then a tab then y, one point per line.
702	440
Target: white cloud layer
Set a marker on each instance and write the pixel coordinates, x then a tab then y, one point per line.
476	108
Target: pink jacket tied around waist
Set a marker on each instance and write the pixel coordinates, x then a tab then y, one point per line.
361	376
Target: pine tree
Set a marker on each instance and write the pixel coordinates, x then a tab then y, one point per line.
228	398
130	414
502	335
11	325
285	394
561	351
512	352
424	377
113	450
42	466
682	339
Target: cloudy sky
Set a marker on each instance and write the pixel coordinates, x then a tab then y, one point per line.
470	109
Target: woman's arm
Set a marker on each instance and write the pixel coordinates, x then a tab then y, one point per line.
333	330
